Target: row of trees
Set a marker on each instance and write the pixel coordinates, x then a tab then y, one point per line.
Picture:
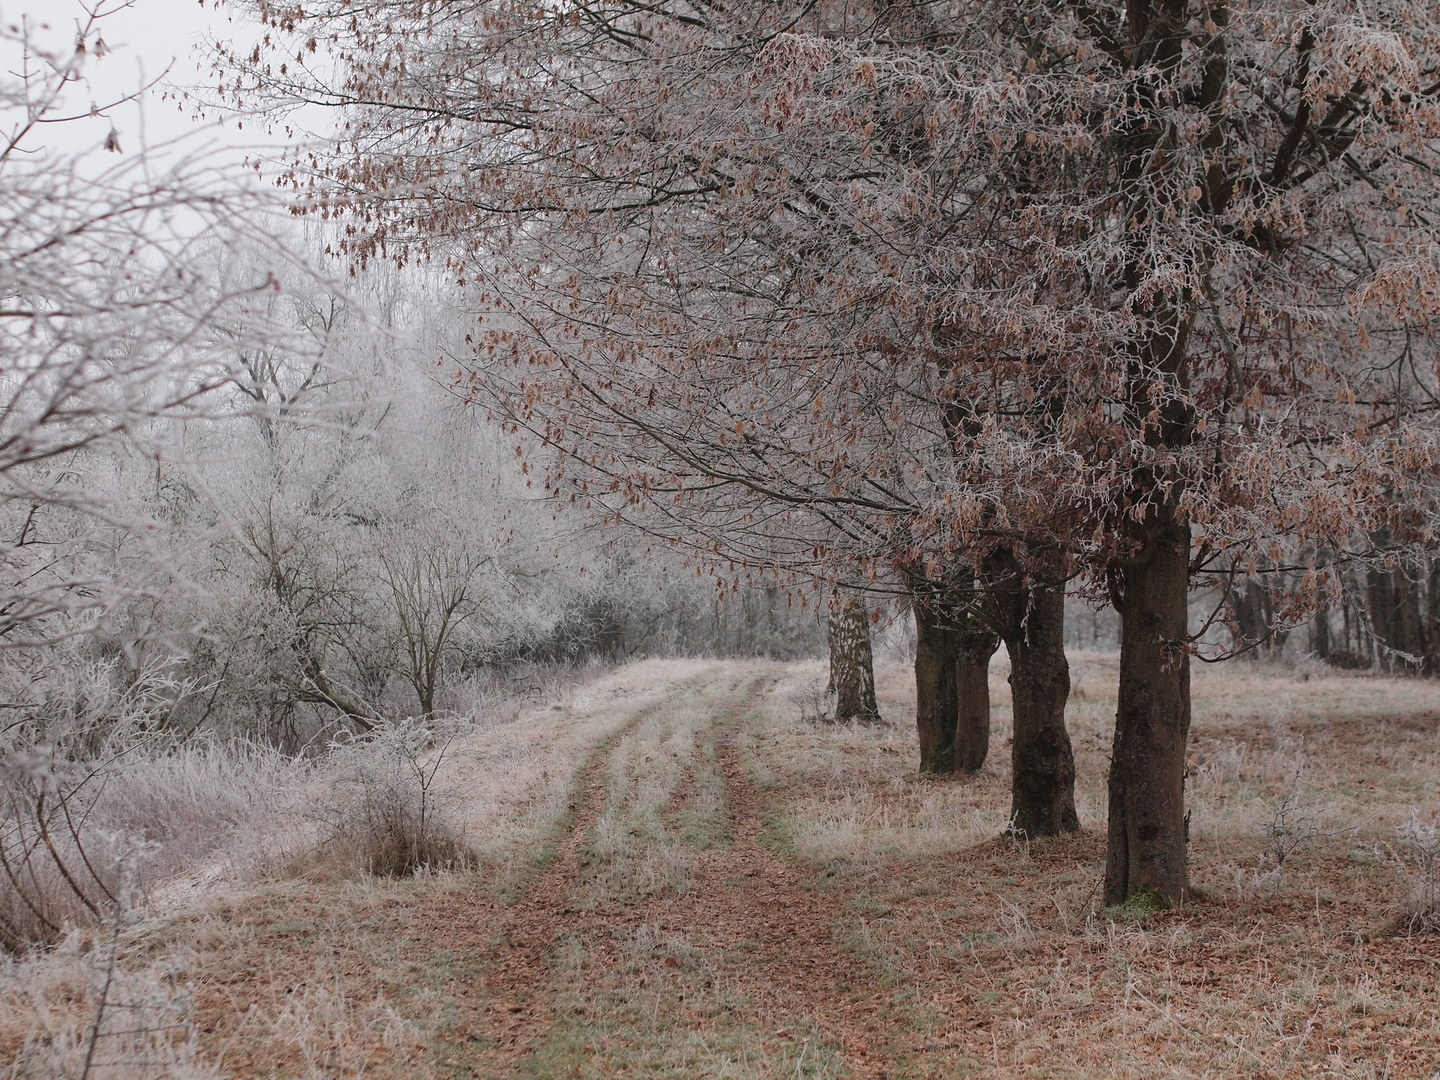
957	301
1383	615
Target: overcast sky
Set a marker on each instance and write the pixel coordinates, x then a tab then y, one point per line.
146	40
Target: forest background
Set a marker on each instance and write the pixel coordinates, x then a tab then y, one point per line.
604	331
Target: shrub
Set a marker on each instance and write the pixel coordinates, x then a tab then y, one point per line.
384	813
1417	858
1347	660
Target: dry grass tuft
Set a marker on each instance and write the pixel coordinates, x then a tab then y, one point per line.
75	1012
1416	857
68	828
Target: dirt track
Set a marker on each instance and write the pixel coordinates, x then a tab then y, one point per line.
762	928
666	929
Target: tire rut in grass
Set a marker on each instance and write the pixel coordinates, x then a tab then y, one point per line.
792	966
452	956
744	963
513	1005
517	987
731	969
495	956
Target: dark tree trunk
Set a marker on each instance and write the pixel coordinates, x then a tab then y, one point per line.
1252	616
1409	628
1432	619
974	648
1358	642
1397	616
936	689
1147	772
1320	632
1380	606
852	662
1031	619
1345	612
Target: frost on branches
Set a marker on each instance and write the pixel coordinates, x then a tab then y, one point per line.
1140	294
115	328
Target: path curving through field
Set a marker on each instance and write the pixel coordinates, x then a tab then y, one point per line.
641	913
659	929
737	971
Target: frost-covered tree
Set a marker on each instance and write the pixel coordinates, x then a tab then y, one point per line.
862	291
115	333
108	320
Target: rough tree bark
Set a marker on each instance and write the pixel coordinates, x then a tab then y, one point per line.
852	662
937	697
1030	617
974	647
952	686
1146	858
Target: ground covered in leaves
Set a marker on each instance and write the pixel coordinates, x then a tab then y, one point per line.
681	877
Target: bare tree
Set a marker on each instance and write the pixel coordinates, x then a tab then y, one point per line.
109	314
113	337
431	580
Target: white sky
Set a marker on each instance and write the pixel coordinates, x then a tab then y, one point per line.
145	38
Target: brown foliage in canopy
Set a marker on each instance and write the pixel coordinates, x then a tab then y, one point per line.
873	287
872	292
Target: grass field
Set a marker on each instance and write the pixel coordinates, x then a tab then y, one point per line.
677	876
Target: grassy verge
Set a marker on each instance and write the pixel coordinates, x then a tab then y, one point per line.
1287	963
755	896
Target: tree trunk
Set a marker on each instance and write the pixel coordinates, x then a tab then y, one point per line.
1252	611
1031	618
1409	628
1320	632
1380	606
1397	616
936	690
1146	853
1432	619
1252	615
1320	637
974	648
852	662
